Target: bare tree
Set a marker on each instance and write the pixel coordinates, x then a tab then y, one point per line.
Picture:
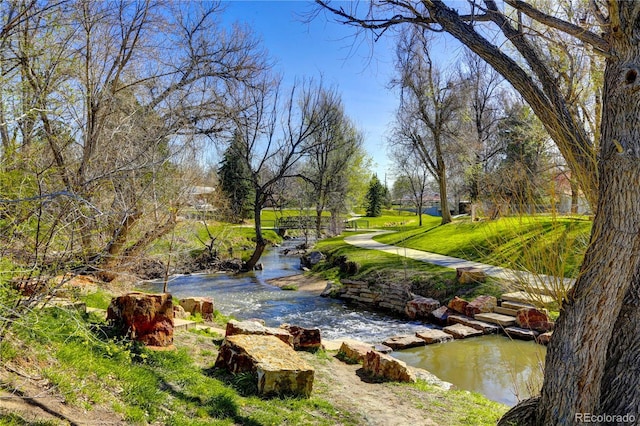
415	174
591	364
428	107
277	134
332	150
114	96
483	85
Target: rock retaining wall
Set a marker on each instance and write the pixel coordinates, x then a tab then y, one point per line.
386	296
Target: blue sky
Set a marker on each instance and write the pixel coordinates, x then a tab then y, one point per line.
323	48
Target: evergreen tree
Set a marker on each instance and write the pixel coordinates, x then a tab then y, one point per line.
235	181
375	197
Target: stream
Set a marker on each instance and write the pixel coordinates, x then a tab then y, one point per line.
501	369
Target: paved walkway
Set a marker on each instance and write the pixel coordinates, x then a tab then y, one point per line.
366	241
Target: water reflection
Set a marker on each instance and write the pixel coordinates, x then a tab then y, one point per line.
496	366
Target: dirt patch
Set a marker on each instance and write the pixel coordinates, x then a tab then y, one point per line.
34	401
377	404
301	282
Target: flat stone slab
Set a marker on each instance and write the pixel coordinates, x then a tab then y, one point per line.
493	318
459	331
521	333
524	297
484	327
279	369
505	311
254	327
510	304
404	342
383	349
432	336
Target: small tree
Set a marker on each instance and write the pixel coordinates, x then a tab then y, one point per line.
375	197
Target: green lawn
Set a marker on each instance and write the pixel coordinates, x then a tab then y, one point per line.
423	278
541	243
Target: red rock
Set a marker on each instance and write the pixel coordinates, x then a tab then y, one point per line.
421	307
440	315
199	305
544	338
458	305
304	339
534	319
255	328
147	318
481	304
386	367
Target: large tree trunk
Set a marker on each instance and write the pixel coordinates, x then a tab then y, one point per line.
592	361
620	387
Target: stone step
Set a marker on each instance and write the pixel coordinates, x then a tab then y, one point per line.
505	311
524	297
432	336
501	320
521	333
459	331
485	327
507	304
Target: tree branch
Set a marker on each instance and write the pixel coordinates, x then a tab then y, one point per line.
576	31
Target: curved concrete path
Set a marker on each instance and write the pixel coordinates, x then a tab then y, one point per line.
366	241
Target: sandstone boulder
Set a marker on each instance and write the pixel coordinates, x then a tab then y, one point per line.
179	312
404	342
431	336
304	339
353	351
459	331
481	304
421	307
386	367
440	315
199	305
458	305
278	369
255	328
470	275
147	318
534	319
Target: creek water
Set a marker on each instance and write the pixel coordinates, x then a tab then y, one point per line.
495	366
